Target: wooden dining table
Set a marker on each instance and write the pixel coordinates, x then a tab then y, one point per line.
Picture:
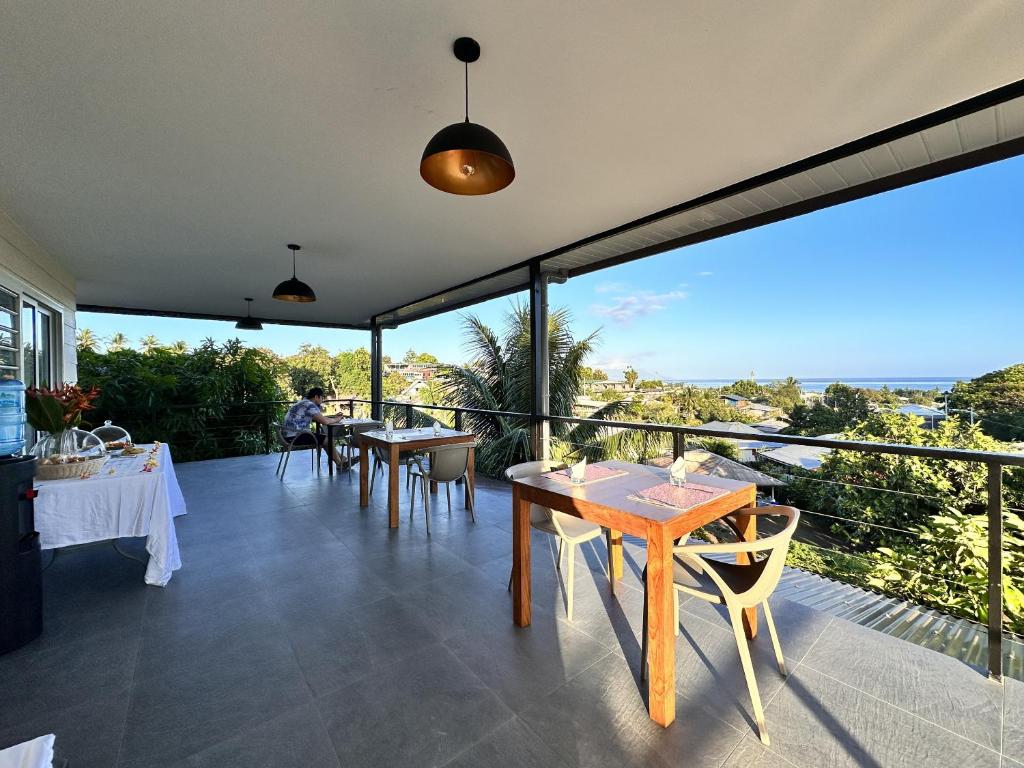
611	502
341	425
406	441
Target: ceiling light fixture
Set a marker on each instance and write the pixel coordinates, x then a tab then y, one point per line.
248	323
294	289
466	158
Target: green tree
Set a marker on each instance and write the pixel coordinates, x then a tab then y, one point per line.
998	398
498	378
630	376
180	347
593	374
785	394
650	384
149	343
749	389
86	339
842	407
311	366
118	342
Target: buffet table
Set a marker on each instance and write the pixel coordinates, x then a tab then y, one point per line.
129	496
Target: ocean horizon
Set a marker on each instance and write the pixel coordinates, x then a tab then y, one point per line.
819	383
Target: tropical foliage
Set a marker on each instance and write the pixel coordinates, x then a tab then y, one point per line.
54	410
207	402
498	379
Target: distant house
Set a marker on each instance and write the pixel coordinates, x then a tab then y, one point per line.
931	416
771	426
736	401
415	371
747	448
611	385
707	463
806	457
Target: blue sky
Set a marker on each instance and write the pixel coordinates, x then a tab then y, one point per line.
923	281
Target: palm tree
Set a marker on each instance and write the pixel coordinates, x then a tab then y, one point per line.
149	343
117	343
180	347
497	378
86	339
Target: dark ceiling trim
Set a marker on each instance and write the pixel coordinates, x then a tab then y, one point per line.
932	170
974	104
440	310
204	316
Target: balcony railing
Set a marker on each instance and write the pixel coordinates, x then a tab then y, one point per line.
256	418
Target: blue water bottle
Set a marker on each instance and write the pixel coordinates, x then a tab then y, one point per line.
12	416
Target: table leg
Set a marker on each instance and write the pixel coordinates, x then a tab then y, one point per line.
471	479
364	473
433	486
614	557
746	525
661	638
393	468
521	607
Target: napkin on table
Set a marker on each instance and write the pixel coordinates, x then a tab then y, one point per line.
578	471
678	471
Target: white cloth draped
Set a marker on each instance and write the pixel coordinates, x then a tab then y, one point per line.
37	753
121	500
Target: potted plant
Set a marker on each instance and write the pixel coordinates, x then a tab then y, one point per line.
58	414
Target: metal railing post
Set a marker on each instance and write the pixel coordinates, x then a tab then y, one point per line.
266	427
995	571
351	408
457	420
678	444
408	416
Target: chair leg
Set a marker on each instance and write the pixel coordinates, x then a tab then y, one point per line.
775	638
280	459
426	504
448	491
412	499
472	504
510	575
736	617
287	458
569	581
558	565
373	478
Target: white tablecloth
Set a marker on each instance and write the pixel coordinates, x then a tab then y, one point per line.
120	500
37	753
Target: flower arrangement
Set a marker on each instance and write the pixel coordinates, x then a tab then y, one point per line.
56	410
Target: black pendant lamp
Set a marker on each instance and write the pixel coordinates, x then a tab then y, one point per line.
248	323
294	289
466	158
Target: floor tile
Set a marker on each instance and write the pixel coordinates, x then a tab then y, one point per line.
419	712
296	739
600	718
817	721
1013	719
512	745
927	683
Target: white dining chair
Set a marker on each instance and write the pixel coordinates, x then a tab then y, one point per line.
737	586
569	530
444	464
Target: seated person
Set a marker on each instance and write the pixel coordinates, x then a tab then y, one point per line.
301	415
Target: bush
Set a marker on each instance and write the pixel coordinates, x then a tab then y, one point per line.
202	402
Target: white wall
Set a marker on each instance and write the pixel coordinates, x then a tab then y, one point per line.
28	270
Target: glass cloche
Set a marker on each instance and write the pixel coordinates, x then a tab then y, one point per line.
111	433
68	447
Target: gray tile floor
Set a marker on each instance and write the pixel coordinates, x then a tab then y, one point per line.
302	632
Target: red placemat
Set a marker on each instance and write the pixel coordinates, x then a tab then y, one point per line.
685	497
592	473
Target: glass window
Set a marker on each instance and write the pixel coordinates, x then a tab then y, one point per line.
28	350
45	362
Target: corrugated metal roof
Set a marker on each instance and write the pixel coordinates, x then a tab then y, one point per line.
962	639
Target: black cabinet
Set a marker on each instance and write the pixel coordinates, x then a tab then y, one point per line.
21	581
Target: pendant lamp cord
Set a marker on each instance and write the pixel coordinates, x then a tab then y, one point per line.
467	91
293	264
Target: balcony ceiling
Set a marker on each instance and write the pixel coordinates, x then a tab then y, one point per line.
165	153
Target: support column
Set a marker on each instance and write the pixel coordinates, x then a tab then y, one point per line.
540	357
376	368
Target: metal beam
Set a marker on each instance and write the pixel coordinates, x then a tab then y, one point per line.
540	372
376	368
103	309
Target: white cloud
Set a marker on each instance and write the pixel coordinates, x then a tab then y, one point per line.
705	274
626	307
611	287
